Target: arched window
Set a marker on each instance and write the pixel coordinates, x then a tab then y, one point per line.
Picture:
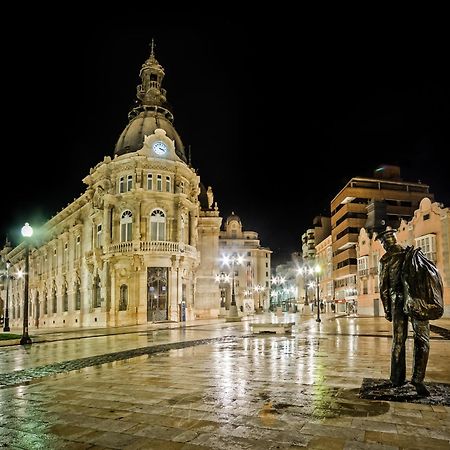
121	185
157	225
126	225
123	301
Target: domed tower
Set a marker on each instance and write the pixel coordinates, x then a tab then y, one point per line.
151	113
138	245
150	211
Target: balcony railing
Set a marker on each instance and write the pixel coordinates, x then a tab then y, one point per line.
153	247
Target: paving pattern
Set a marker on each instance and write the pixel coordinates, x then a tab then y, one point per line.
242	392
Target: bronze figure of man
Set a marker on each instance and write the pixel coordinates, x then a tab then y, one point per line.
393	295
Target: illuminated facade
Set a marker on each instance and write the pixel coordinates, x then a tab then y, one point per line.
252	277
429	229
139	245
349	215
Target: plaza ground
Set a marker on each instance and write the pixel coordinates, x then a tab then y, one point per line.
215	384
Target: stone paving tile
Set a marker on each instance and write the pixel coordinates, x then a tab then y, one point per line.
258	393
410	442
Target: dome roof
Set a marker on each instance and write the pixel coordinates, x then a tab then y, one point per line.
232	217
145	124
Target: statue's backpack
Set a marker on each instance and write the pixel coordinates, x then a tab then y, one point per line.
424	292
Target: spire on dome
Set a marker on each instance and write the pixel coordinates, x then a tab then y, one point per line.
150	93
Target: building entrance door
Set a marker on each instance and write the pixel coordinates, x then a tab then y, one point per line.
157	287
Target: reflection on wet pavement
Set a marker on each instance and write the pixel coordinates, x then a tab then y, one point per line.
248	391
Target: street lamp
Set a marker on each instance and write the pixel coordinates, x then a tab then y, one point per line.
305	271
27	232
317	271
258	288
222	278
278	280
232	260
6	323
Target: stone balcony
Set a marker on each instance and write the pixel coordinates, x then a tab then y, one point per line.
161	247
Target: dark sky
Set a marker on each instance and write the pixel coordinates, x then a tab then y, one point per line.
279	118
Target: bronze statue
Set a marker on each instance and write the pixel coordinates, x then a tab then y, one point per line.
401	292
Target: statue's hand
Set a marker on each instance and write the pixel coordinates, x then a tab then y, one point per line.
388	317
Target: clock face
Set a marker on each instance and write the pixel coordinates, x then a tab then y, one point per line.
159	147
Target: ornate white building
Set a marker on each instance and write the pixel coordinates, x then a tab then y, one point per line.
141	244
252	275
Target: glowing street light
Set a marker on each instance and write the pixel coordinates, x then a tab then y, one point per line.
233	260
27	232
277	280
222	278
258	288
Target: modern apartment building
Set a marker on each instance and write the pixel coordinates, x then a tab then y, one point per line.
349	213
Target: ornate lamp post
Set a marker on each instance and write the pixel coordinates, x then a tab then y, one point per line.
232	261
305	271
258	288
27	232
6	323
317	270
278	280
222	278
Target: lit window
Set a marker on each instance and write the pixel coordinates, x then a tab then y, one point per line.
428	245
77	247
157	225
98	242
126	224
150	181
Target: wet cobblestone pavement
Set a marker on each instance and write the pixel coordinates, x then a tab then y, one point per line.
27	375
243	392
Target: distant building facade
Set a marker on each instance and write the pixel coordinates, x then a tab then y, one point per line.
428	229
252	277
349	213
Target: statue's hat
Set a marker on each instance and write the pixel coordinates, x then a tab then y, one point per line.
384	234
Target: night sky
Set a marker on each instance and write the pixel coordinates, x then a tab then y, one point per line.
278	118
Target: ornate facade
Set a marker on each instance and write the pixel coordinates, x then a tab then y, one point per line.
252	275
139	245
